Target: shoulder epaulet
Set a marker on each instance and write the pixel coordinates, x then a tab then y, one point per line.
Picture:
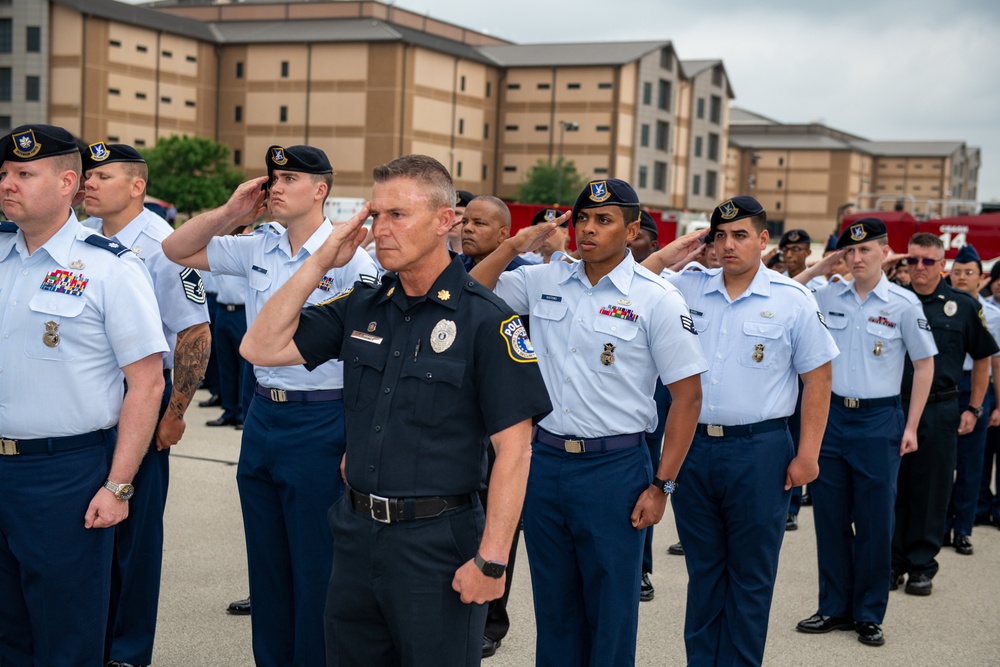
8	227
107	244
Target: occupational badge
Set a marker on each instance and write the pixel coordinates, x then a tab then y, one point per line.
608	356
444	295
443	335
878	349
950	308
51	336
624	302
77	264
766	313
758	352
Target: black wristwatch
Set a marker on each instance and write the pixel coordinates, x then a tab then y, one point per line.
490	568
667	486
978	412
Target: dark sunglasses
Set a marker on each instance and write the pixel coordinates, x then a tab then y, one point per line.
926	261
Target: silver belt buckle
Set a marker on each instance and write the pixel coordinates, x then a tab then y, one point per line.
716	431
279	396
379	507
8	447
574	446
852	402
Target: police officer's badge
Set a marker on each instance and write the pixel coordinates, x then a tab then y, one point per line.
858	233
599	191
518	345
608	356
443	335
25	145
278	156
950	308
99	151
758	352
51	336
194	288
728	210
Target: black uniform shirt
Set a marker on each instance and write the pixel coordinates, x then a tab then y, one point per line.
958	327
426	380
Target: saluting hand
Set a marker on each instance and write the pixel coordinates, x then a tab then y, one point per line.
247	203
649	508
682	247
474	586
339	247
530	239
105	510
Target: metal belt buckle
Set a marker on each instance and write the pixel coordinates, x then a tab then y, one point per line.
279	396
715	430
574	446
852	402
380	509
8	447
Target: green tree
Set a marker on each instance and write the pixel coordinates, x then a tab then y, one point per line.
542	183
193	173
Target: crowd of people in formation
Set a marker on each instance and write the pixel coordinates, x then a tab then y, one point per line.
416	394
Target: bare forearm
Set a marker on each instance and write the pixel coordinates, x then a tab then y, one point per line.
815	410
194	235
194	345
681	423
135	425
488	271
507	486
923	376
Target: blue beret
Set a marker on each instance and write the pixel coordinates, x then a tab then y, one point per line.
101	153
831	243
34	142
463	197
794	236
547	214
966	254
647	223
609	192
306	159
734	209
860	231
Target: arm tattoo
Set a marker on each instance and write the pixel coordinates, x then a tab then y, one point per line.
194	345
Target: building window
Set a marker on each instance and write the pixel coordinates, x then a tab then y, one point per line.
238	114
544	86
191	59
509	168
283	114
717	76
239	70
604	86
140	96
647	93
643	177
600	170
715	111
666	59
115	43
114	91
189	103
511	128
603	128
489	88
700	108
5	124
5	84
139	142
662	135
513	86
541	128
461	126
6	35
167	54
781	162
486	130
696	185
166	100
484	172
461	83
141	49
34	39
644	135
697	146
663	95
237	156
113	139
713	147
711	179
573	86
458	169
777	206
660	176
779	183
284	69
32	88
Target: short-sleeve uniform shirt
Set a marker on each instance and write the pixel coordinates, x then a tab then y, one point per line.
426	380
991	314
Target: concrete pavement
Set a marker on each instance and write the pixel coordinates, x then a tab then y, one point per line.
205	569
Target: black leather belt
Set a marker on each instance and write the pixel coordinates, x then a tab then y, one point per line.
232	308
583	445
394	510
282	396
738	431
66	443
937	396
865	403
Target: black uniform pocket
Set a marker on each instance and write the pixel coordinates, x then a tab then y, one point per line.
436	381
364	363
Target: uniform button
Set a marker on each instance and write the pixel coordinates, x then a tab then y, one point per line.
356	359
472	284
590	294
579	319
715	382
725	331
567	380
430	375
371	468
378	429
395	354
24	273
407	318
567	410
6	336
718	356
614	328
711	408
387	390
573	350
14	302
761	329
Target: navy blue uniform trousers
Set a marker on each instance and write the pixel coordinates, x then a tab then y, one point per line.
988	508
853	501
138	561
968	465
584	555
730	506
55	575
230	327
288	478
211	381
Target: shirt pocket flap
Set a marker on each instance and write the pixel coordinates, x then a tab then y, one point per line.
259	281
882	330
57	305
835	321
769	330
616	327
361	354
548	310
431	369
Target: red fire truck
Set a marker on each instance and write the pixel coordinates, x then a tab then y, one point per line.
982	231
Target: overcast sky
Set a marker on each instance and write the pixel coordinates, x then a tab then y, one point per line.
880	69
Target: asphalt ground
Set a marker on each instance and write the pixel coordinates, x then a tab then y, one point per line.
204	568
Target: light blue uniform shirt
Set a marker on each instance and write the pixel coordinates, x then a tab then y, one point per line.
874	337
573	323
264	260
180	293
230	290
991	313
777	320
208	280
104	311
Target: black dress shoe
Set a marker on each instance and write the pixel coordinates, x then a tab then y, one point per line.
982	520
239	608
963	545
646	591
792	522
119	663
213	402
818	624
238	426
919	584
222	421
807	499
490	646
895	580
870	634
676	549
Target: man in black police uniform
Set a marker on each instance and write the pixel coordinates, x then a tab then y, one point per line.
434	362
926	476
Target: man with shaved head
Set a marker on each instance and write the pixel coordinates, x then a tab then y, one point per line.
485	225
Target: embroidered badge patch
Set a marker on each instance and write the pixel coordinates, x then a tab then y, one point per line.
924	324
858	233
626	314
99	152
688	324
518	345
194	288
599	191
728	210
25	145
278	156
64	282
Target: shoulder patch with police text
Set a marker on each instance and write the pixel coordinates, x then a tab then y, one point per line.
194	288
516	336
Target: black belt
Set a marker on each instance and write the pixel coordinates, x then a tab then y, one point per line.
864	403
394	510
282	396
583	445
938	396
741	430
66	443
233	307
